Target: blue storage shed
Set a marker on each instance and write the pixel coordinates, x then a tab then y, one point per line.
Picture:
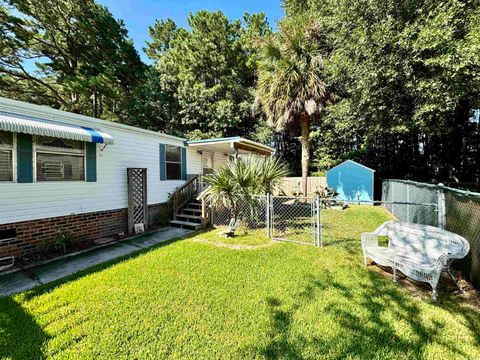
352	181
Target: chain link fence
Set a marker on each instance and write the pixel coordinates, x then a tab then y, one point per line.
412	202
295	218
251	212
287	218
299	219
456	210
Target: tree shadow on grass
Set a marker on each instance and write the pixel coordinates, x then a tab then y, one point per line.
20	335
366	320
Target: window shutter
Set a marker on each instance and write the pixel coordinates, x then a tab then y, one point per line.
184	163
91	159
162	162
24	158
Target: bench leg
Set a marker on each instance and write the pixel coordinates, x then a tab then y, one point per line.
365	261
455	279
394	274
434	294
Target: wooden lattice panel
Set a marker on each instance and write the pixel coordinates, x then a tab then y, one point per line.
137	197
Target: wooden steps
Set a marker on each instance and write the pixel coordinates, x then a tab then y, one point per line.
189	217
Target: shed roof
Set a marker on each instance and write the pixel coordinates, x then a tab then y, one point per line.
354	162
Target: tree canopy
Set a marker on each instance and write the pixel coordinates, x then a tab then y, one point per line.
406	76
409	79
67	54
209	72
292	86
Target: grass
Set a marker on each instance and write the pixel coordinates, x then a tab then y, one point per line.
202	297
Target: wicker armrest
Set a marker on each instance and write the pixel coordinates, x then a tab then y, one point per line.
369	240
444	261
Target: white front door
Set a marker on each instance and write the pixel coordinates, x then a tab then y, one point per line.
207	162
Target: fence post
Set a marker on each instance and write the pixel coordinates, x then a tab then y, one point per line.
408	203
268	216
442	214
393	197
319	232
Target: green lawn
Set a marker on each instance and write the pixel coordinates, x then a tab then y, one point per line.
211	297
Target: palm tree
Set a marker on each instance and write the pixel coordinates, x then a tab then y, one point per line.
292	89
235	183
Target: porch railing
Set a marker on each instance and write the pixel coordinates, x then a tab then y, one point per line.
186	192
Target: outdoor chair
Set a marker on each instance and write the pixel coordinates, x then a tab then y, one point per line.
420	252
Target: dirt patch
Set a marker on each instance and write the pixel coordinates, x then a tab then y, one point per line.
446	286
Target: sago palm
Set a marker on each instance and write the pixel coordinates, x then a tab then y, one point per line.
292	88
235	183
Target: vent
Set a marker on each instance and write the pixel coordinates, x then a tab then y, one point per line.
8	234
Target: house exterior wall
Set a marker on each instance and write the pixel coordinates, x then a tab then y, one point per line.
39	210
194	162
219	158
132	148
88	210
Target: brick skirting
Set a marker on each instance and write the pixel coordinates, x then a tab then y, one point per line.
32	235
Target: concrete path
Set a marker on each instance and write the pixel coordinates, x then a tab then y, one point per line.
19	281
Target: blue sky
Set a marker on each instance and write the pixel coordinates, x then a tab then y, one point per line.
140	14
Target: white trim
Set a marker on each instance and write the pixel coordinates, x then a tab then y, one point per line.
351	161
251	143
34	160
13	149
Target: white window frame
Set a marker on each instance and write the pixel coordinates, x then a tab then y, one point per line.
35	152
14	159
173	162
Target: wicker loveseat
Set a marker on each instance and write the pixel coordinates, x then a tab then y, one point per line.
420	252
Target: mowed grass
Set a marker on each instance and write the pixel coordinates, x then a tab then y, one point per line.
202	298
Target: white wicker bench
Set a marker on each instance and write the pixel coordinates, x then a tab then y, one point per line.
420	252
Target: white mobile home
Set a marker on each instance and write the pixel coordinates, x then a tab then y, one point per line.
66	172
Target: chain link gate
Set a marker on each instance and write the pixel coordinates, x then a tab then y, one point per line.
294	218
285	218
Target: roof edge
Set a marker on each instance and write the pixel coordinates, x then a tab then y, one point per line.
352	161
236	139
29	109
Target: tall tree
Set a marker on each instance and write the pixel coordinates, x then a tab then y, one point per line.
66	53
292	87
409	76
210	72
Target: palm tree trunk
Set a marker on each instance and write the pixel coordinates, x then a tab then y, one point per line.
305	131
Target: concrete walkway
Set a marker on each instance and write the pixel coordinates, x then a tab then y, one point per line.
20	280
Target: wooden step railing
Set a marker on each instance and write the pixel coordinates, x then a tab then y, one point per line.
186	192
206	213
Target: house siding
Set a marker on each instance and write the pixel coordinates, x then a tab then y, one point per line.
39	200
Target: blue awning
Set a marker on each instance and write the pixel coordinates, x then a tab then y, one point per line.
25	124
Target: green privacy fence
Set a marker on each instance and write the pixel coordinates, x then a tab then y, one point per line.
413	202
456	210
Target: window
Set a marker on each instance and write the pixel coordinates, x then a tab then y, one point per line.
6	156
60	159
173	162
